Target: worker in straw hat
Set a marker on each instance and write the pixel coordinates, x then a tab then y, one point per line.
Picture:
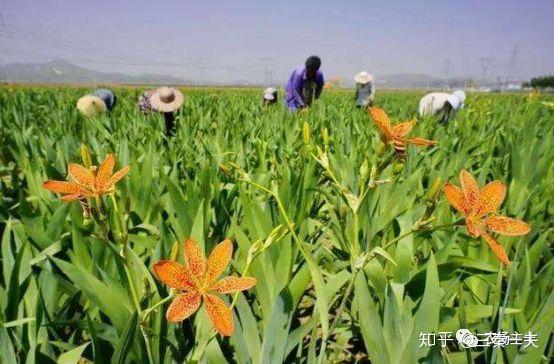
442	104
97	102
365	89
270	96
167	100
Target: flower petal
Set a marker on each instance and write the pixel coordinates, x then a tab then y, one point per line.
470	189
64	187
105	170
475	228
455	196
70	198
234	284
497	249
505	225
219	260
82	175
401	129
118	175
382	120
183	306
491	197
220	314
195	258
173	274
421	142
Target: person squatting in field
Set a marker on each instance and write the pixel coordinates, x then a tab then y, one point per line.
97	102
442	104
166	100
365	89
304	85
270	96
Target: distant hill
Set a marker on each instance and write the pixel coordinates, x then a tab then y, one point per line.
60	71
63	72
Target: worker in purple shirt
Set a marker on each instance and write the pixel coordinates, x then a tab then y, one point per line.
305	84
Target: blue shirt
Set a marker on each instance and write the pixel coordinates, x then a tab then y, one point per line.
295	89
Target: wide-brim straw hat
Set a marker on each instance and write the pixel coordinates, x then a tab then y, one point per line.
91	105
167	99
269	93
363	77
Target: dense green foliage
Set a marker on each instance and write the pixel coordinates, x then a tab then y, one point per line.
378	269
541	82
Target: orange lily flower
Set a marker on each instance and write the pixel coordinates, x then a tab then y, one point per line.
87	182
479	207
396	134
198	281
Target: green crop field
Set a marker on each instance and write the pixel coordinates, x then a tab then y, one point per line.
357	253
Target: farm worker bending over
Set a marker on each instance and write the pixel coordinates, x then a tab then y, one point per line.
304	85
365	90
270	96
442	104
98	102
167	100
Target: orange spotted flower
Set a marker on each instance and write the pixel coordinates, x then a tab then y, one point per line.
87	182
479	207
396	134
199	281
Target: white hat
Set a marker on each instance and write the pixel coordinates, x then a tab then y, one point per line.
91	105
363	77
454	100
460	94
166	99
269	93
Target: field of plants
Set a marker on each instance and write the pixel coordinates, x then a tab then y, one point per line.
327	242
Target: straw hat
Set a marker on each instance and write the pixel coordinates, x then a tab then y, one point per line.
269	93
91	105
167	99
363	77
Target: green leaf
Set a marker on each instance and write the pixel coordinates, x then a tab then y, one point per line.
72	356
126	340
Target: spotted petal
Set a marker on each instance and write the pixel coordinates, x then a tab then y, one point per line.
507	226
220	314
174	275
382	120
183	306
80	174
497	249
64	187
118	176
219	260
401	129
470	189
195	258
105	170
234	284
491	197
421	142
455	196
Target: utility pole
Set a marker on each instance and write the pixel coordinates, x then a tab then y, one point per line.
485	64
267	71
447	73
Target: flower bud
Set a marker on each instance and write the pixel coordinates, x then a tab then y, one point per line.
380	149
325	134
174	251
397	168
435	189
85	156
364	169
306	133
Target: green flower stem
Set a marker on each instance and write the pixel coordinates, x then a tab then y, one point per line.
151	309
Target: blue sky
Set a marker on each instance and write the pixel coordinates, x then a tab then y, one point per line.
224	40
